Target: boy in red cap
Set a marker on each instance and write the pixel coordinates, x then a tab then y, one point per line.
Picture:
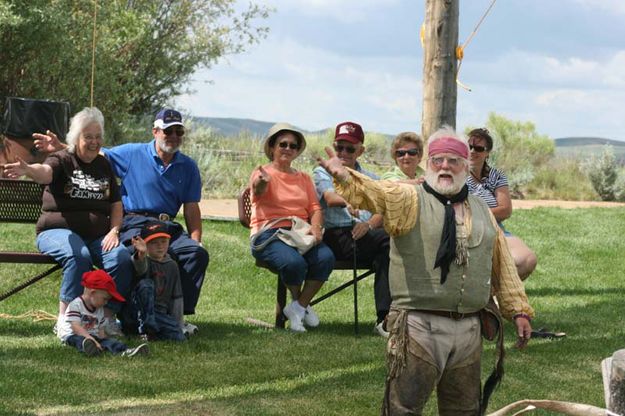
82	325
157	306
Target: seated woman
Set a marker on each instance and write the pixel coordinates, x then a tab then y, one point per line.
406	151
492	186
81	211
277	191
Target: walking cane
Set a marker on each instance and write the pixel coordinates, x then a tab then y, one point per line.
355	277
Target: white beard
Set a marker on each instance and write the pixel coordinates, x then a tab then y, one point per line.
451	189
167	149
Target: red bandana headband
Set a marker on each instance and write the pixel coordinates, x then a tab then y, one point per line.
448	145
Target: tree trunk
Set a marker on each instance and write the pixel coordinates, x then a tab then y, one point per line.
439	65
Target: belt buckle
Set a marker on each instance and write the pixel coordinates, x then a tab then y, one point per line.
163	217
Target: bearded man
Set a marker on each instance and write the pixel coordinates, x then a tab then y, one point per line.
157	179
448	256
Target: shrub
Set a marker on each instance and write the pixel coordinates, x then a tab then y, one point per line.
562	178
603	172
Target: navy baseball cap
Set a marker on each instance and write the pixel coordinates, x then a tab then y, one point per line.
166	118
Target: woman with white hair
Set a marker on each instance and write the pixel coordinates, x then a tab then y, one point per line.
81	210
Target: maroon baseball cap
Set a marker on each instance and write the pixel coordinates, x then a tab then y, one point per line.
349	131
99	279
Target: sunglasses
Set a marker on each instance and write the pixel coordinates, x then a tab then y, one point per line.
451	161
171	130
349	149
478	149
292	146
402	153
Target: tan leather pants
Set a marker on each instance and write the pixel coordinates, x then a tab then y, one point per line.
440	353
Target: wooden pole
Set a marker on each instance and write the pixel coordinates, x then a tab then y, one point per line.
439	65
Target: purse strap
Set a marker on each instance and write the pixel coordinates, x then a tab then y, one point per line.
269	224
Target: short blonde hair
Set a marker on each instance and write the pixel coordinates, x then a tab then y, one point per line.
407	137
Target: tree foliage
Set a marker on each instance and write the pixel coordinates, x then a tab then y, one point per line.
145	50
518	150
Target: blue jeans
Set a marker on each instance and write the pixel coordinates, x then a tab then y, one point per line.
78	256
108	344
191	257
292	267
141	315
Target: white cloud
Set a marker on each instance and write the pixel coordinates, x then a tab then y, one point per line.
611	6
528	69
346	11
311	88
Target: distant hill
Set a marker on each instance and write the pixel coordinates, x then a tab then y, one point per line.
236	126
584	147
587	141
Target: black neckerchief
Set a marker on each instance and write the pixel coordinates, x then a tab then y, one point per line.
447	248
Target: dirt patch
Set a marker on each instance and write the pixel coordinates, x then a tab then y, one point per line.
226	209
527	204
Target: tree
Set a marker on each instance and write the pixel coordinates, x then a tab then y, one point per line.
145	50
439	65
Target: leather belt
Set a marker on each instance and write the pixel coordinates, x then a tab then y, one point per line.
160	216
449	314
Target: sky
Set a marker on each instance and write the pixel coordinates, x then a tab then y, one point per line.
557	63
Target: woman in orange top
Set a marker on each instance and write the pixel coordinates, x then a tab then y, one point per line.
277	191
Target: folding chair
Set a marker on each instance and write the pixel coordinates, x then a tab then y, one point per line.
245	212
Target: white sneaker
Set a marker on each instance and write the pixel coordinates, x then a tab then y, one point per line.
143	349
295	318
112	327
311	318
379	330
189	329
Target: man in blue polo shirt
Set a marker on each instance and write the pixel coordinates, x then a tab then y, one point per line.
158	179
345	226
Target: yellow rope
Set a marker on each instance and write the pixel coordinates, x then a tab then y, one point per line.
460	49
95	17
35	315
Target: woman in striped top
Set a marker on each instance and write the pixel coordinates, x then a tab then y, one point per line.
491	185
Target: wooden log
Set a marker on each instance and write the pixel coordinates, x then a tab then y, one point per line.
567	408
439	65
617	383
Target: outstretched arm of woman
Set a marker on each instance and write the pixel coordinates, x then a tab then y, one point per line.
38	172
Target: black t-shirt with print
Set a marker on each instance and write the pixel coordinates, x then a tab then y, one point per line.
79	196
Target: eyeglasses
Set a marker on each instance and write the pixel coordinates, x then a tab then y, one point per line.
171	130
478	149
349	149
402	153
292	146
451	161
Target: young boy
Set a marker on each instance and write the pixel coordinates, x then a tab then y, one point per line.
157	297
83	323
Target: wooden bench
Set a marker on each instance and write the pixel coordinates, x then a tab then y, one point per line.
245	212
20	202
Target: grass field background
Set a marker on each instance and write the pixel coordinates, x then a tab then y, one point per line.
233	368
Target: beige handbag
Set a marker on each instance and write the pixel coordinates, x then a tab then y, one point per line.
298	236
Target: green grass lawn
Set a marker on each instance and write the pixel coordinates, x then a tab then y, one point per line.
233	368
